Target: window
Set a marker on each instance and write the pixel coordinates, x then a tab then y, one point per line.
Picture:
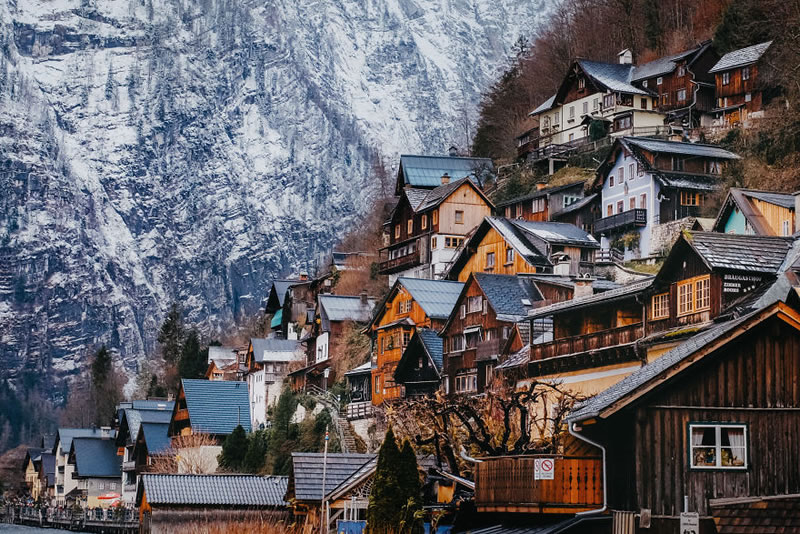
644	103
586	108
608	101
510	252
569	199
644	84
596	104
677	163
471	339
397	232
611	181
623	123
691	198
518	210
488	375
643	201
581	83
424	222
377	383
508	212
717	446
621	174
572	137
459	217
631	174
452	242
435	218
434	243
475	304
632	203
467	383
457	343
726	78
748	97
610	210
714	167
745	73
620	206
660	306
659	80
555	119
681	70
410	227
572	112
462	311
639	169
694	295
406	337
538	205
681	95
664	99
787	228
489	260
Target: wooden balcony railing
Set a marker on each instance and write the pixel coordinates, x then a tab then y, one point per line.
398	264
508	484
634	217
586	342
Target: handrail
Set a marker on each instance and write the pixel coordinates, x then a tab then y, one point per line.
592	341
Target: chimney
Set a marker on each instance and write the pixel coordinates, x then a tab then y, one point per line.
364	298
540	185
625	57
453	151
583	286
105	432
303	277
561	264
445	179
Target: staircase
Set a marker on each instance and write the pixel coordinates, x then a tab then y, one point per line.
345	433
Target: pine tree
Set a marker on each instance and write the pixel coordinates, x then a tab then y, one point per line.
194	361
256	455
171	335
386	502
234	449
101	367
409	486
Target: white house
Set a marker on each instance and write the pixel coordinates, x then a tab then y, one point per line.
65	481
267	365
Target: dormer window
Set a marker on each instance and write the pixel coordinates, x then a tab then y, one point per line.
581	83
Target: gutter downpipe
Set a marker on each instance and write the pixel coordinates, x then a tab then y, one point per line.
575	433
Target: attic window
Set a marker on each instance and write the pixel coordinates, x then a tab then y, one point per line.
659	80
475	304
745	73
581	83
681	71
397	232
459	217
410	226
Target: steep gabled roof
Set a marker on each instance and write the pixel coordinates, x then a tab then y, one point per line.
741	57
214	490
66	435
305	482
785	200
511	297
427	171
740	198
217	406
277	293
753	253
345	308
436	297
96	457
614	76
156	437
678	147
544	106
558	233
664	65
613	295
274	349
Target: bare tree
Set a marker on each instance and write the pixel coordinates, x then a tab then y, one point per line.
195	453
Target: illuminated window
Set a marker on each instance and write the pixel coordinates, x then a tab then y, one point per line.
694	295
424	222
717	446
660	306
691	198
397	232
434	243
410	227
435	217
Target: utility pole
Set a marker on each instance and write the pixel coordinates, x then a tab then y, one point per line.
322	520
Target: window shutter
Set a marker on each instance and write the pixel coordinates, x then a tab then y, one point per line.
463	311
485	306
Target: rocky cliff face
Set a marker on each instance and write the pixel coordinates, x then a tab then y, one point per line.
190	150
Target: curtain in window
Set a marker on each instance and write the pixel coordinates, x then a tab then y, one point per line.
697	437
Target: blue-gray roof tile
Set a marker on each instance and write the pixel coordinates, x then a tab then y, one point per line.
741	57
96	457
307	472
511	297
217	406
436	297
251	491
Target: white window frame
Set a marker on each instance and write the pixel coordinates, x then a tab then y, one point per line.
787	228
474	304
717	446
659	80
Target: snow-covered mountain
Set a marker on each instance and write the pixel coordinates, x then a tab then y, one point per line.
190	150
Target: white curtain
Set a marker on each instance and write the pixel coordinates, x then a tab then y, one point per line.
736	437
697	436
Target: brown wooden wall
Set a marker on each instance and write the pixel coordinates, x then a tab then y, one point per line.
494	242
753	380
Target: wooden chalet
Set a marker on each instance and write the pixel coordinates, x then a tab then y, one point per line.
427	225
419	371
543	204
210	407
167	502
509	246
708	428
528	139
480	328
749	211
645	183
359	388
410	304
740	87
425	172
682	87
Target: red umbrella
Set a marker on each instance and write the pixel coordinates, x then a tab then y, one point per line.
109	496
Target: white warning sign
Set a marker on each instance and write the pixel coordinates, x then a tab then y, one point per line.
544	468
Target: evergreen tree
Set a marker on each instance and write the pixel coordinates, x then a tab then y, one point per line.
256	455
741	26
409	486
171	335
194	361
234	449
386	502
101	367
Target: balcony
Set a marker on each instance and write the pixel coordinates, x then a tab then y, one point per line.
612	337
400	264
631	218
508	484
130	465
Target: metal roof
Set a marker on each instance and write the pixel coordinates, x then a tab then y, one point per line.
364	368
221	353
217	406
662	65
274	349
436	297
599	285
433	345
614	76
156	437
557	233
516	238
590	300
282	286
684	180
346	308
48	464
541	193
229	490
741	57
785	200
506	294
678	147
96	457
544	106
427	171
755	253
307	472
66	435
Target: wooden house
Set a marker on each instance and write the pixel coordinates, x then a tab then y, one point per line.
581	213
425	172
511	246
646	183
748	211
419	371
708	428
528	139
427	225
740	87
682	87
544	204
167	503
210	407
359	388
480	326
411	303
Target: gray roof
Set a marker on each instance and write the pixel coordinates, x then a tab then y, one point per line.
49	466
575	206
427	171
66	435
683	180
517	359
506	294
436	297
625	291
221	353
517	239
678	147
346	308
741	57
217	406
755	253
156	436
599	285
228	490
558	233
438	195
274	349
614	76
661	66
785	200
134	418
542	525
544	106
364	368
96	457
416	196
307	472
433	345
281	287
541	193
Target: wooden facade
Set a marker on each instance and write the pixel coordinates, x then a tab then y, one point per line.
732	92
493	243
747	378
542	205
